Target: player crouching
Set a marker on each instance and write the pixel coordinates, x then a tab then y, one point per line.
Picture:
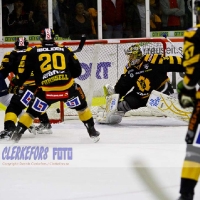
143	74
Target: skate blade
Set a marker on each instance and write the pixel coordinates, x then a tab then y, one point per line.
95	139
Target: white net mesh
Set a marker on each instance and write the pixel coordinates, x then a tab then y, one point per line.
104	63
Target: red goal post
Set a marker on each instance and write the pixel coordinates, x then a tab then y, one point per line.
102	62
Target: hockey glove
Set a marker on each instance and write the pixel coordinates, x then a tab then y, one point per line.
186	97
13	86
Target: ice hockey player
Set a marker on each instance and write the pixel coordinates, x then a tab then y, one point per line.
56	67
190	97
14	103
144	73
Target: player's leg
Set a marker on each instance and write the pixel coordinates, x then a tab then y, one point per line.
191	166
115	109
45	126
37	106
78	102
16	106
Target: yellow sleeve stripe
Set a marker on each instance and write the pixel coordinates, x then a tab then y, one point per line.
189	34
70	49
5	60
171	60
146	57
29	48
160	61
154	58
179	60
191	61
7	53
186	80
189	70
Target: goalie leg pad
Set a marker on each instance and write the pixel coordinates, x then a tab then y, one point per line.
110	115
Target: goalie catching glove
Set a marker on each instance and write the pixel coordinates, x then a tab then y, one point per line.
13	86
186	96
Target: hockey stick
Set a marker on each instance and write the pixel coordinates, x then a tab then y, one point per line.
81	44
148	179
165	36
180	73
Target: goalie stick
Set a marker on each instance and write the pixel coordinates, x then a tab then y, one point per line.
81	44
168	106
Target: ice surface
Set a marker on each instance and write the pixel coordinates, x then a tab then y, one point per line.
106	170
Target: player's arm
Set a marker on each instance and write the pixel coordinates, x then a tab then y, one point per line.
25	67
171	64
191	58
125	83
73	63
6	65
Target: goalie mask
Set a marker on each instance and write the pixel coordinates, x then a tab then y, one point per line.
134	54
197	7
47	37
21	43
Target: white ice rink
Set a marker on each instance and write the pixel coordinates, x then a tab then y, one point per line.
106	170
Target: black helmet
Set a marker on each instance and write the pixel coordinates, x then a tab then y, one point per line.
21	43
197	7
47	36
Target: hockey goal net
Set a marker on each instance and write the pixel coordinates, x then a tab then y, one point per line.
102	62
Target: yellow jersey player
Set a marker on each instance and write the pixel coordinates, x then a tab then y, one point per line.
56	67
14	105
190	97
143	74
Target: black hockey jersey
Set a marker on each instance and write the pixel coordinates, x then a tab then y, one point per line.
54	67
191	56
150	74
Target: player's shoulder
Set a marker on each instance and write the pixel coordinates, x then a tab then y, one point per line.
192	32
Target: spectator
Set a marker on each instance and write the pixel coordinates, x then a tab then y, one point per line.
173	12
188	14
136	20
61	18
155	20
80	24
19	21
113	18
41	16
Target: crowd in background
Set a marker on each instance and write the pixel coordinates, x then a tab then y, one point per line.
72	18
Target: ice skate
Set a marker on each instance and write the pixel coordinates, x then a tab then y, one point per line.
186	197
5	134
44	128
17	134
32	129
94	135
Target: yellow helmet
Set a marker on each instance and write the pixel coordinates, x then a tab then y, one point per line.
134	53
